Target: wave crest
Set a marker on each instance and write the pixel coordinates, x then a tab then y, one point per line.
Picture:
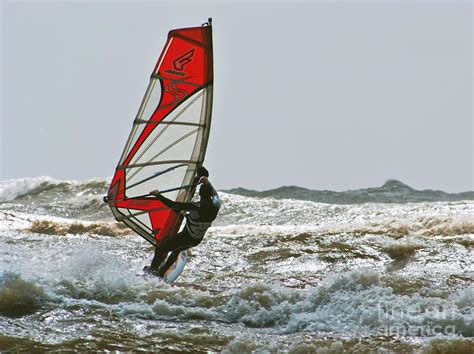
12	189
19	297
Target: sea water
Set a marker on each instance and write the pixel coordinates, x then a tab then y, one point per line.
272	275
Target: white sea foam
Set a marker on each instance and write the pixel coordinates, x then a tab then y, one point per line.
13	188
353	302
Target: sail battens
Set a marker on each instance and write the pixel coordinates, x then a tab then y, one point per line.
139	121
154	163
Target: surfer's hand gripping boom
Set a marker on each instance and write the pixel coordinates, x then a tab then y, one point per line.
156	192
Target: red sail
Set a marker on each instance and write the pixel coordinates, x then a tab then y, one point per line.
169	136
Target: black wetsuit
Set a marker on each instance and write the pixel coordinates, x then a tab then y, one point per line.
198	220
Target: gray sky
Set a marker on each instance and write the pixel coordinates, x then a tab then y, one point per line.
324	95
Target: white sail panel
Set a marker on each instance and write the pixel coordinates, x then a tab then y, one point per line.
169	141
149	104
166	181
143	219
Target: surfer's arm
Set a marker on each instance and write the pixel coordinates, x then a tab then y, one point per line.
172	204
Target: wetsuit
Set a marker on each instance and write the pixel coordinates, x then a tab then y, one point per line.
198	220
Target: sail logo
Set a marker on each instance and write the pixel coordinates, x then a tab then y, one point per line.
183	60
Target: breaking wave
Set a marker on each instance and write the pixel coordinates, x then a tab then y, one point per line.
19	297
47	196
38	187
14	188
358	301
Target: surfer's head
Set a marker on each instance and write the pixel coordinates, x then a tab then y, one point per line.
205	191
202	171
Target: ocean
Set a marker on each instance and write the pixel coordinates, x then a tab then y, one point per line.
380	270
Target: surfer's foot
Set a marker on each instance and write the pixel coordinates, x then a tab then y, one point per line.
161	272
151	271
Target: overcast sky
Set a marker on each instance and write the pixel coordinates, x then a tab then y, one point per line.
325	95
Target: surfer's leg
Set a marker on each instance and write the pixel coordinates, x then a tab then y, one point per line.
183	241
160	254
170	260
171	244
163	250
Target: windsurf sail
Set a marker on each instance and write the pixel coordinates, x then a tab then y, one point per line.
169	136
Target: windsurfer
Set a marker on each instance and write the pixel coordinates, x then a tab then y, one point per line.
199	218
